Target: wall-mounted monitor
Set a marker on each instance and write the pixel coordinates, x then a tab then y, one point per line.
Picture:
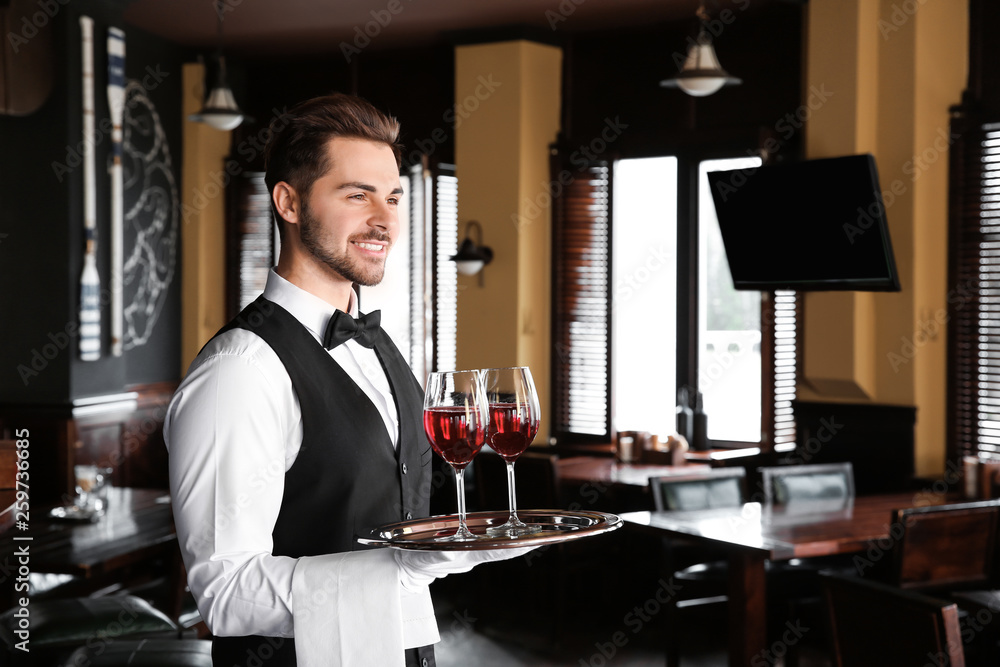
814	225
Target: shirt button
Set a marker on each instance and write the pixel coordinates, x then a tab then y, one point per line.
409	515
404	468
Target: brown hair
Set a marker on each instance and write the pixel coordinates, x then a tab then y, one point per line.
296	150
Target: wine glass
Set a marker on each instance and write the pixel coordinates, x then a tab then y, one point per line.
455	420
513	405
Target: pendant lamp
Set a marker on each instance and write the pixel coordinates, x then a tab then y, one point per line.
701	74
220	110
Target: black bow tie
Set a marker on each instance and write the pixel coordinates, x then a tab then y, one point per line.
343	327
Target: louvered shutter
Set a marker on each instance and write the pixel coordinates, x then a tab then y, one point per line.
780	359
974	289
251	243
445	210
581	304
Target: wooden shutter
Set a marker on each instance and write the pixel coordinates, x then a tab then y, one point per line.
250	240
445	225
581	304
974	289
780	360
421	273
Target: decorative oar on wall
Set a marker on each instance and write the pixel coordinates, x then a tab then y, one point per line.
116	103
90	281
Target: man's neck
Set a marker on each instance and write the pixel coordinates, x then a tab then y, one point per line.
318	281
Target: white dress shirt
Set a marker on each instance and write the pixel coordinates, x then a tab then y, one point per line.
232	429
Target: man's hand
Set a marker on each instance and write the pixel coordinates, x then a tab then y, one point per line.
417	569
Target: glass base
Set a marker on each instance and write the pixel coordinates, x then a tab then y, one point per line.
463	534
513	528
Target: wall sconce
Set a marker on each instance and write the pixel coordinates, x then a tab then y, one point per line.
220	110
701	74
472	257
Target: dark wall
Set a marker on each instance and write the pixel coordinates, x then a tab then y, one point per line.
608	75
35	245
616	75
41	213
415	85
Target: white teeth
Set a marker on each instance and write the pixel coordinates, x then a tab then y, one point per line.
370	246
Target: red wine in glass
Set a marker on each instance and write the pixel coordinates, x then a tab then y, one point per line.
512	428
455	420
514	415
455	437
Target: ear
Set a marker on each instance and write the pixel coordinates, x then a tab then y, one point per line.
287	202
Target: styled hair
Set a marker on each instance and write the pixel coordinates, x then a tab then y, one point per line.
296	150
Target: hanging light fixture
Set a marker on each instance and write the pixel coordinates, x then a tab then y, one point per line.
701	74
220	110
472	257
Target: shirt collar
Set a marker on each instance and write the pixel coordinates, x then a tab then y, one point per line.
311	311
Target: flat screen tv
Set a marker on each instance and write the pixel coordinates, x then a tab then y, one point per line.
814	225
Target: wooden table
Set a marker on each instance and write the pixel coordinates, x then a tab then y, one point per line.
753	534
137	527
606	471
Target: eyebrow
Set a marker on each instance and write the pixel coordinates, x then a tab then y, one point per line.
366	187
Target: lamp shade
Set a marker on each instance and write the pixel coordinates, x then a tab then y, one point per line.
220	110
470	258
702	74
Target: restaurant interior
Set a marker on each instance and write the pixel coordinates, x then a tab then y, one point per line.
799	474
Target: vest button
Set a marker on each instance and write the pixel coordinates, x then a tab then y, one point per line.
423	663
404	468
409	515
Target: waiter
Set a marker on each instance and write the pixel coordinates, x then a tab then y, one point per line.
298	426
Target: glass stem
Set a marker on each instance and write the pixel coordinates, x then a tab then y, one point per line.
511	492
460	490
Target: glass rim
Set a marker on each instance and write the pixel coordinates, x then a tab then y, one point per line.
506	368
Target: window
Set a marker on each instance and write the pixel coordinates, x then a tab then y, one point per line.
729	352
629	334
644	303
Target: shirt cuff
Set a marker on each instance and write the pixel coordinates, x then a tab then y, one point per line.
419	624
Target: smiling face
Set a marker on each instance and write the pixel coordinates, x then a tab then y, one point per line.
348	221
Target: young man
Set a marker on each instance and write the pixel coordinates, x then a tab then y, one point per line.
298	426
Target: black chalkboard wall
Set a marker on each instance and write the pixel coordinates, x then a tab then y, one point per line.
41	221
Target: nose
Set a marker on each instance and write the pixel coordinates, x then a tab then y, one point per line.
384	217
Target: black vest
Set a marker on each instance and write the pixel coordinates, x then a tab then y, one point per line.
347	477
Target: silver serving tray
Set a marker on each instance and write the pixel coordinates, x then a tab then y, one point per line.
557	526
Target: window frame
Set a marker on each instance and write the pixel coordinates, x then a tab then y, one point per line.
689	159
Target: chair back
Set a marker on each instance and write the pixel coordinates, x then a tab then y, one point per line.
876	624
946	547
707	489
8	478
824	483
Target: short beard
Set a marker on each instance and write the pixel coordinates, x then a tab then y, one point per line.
312	241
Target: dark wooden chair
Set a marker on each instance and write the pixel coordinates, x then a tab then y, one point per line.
793	586
947	547
144	653
701	573
706	489
876	624
8	483
821	483
60	626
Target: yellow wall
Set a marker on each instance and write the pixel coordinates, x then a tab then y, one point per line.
203	241
891	69
507	96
